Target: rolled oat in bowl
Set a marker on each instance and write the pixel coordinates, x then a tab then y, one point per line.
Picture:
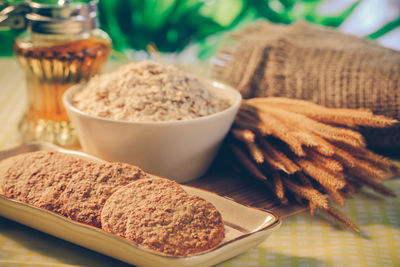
148	91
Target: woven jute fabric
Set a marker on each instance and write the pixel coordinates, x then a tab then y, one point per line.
318	64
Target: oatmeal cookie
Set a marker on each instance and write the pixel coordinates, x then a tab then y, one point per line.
86	193
38	178
5	164
114	216
159	215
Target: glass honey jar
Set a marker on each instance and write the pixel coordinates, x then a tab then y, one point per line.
62	46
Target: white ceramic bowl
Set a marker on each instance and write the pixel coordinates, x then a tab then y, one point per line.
179	150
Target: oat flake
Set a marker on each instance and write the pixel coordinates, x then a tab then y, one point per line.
147	91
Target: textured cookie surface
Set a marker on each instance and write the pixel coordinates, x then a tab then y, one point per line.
63	183
115	213
158	214
4	167
87	192
38	178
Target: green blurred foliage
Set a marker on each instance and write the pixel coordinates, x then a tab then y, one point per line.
170	25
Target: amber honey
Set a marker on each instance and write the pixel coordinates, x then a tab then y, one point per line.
51	67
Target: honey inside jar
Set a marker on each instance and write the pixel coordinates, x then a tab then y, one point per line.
51	67
62	46
54	68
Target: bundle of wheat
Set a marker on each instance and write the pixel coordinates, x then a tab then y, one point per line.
310	152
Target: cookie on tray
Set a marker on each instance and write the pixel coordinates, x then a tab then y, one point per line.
5	164
86	193
115	213
38	178
159	215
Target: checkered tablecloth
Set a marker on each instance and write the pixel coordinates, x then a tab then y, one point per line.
301	241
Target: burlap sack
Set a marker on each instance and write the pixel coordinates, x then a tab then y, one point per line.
317	64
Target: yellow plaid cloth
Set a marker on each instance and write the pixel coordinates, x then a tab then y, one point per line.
301	241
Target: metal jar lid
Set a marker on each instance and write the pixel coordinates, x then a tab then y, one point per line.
62	18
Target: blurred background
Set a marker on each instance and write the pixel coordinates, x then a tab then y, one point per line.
192	29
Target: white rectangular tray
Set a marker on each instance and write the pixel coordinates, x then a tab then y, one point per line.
245	227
